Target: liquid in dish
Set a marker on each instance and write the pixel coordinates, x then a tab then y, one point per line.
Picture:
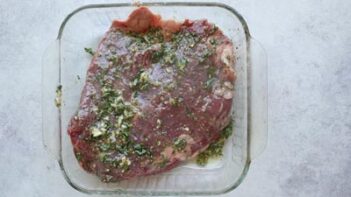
157	93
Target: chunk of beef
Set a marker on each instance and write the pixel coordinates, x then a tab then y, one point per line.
157	93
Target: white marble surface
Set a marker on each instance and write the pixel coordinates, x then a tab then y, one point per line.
308	43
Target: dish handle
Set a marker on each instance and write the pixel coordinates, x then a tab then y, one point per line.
258	112
50	113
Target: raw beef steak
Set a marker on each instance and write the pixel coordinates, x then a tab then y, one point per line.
157	93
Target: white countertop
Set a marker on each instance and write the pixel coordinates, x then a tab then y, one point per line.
308	43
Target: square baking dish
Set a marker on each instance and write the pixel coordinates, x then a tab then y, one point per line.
65	63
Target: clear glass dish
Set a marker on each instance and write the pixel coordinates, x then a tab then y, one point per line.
65	60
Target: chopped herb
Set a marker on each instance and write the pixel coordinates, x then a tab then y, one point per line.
169	57
207	54
213	41
121	162
113	59
213	29
181	63
189	113
154	36
180	144
89	50
128	114
103	157
169	87
157	55
59	89
124	163
105	146
227	131
135	94
58	98
174	101
141	81
211	71
96	132
209	83
78	156
140	150
103	130
215	149
78	77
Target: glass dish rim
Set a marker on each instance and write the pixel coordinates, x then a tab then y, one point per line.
157	4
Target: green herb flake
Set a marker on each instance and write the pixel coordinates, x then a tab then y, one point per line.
180	144
181	63
113	134
105	147
211	71
227	131
175	101
213	42
89	50
209	83
59	89
157	55
215	149
141	81
96	132
135	94
140	150
58	98
207	54
169	57
189	113
113	59
213	29
124	164
78	156
169	87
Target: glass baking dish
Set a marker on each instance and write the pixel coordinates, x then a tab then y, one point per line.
65	63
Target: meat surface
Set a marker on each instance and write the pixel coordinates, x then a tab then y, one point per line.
157	93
